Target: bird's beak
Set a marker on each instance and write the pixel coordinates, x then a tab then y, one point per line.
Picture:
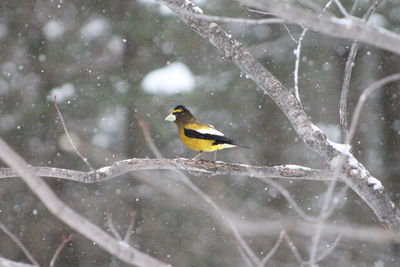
170	117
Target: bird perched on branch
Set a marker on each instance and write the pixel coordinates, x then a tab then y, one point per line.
197	135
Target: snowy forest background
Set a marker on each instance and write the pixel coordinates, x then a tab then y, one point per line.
113	63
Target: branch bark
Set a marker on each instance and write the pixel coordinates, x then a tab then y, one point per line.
193	166
356	176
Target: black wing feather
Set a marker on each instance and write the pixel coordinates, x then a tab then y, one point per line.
218	139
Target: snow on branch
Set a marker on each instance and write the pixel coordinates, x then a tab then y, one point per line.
354	173
192	166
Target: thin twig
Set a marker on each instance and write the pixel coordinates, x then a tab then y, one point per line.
19	244
354	7
289	198
64	241
273	249
364	96
111	226
293	248
84	159
297	64
289	33
298	56
128	232
328	251
347	76
341	8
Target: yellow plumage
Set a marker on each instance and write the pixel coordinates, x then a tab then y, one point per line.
197	135
199	144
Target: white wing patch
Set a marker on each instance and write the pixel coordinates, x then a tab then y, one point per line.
209	131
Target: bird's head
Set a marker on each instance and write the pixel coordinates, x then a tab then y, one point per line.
180	115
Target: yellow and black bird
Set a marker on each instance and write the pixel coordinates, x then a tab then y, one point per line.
197	135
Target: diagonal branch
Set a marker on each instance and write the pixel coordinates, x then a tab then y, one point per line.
356	176
91	231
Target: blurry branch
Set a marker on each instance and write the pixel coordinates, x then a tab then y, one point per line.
347	75
349	27
196	167
341	8
364	96
331	248
298	55
84	159
114	231
19	244
64	240
9	263
327	208
128	233
285	193
111	226
273	249
354	173
121	250
283	236
245	251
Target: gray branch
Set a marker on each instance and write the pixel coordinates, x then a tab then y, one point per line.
348	28
355	174
193	166
119	249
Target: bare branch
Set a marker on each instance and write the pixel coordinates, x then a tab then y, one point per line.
122	167
330	249
19	244
347	76
273	249
298	56
64	241
293	248
84	159
111	226
297	65
364	96
349	28
128	233
91	231
289	198
341	8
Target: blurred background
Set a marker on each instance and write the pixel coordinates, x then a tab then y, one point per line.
112	62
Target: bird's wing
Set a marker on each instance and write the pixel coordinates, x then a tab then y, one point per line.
209	134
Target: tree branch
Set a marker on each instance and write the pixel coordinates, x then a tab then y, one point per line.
356	176
348	28
193	166
91	231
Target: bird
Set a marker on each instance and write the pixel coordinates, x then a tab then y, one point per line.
197	135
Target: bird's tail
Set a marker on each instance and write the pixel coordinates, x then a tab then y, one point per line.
242	146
